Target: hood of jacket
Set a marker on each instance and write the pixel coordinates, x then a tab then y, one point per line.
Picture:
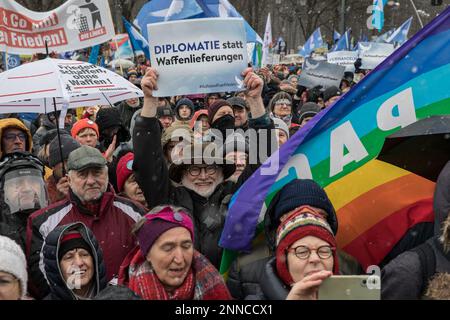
271	285
58	287
17	124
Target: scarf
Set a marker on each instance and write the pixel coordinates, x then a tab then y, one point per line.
203	281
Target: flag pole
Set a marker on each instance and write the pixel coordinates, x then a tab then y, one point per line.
417	13
57	124
117	49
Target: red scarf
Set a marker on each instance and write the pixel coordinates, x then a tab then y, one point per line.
203	281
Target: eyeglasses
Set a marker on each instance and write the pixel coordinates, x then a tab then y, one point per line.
196	170
13	136
303	252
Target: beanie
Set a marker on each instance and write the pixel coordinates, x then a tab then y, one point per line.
108	118
301	192
164	111
330	93
280	124
158	223
214	107
82	124
300	224
279	96
124	170
72	240
186	102
238	102
309	109
68	144
12	261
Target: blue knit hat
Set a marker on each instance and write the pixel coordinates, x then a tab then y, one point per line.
305	192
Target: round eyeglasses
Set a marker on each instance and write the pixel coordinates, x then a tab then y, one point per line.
303	252
196	170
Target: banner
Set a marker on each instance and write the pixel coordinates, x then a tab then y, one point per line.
198	55
76	24
372	53
376	202
343	58
321	73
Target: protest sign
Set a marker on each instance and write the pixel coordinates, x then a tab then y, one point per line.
320	73
198	55
372	53
343	58
76	24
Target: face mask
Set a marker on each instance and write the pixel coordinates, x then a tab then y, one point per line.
286	119
224	123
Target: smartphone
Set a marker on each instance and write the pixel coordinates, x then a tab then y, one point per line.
355	287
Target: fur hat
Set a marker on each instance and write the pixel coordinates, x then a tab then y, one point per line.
12	261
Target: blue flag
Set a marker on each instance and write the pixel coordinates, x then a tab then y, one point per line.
378	14
344	42
11	61
138	42
401	34
336	36
94	54
314	41
168	10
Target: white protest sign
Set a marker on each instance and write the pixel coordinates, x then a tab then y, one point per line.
372	53
276	59
198	55
343	58
320	73
76	24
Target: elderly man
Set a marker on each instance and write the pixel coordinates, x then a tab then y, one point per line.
15	137
92	201
203	190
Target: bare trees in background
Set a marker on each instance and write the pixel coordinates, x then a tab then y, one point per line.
294	20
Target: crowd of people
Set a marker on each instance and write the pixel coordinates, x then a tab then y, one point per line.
118	203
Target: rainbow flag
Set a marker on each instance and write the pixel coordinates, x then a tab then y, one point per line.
376	202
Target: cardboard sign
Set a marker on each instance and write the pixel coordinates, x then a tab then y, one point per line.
320	73
76	24
343	58
198	55
372	53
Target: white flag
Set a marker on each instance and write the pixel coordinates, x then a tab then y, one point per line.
267	42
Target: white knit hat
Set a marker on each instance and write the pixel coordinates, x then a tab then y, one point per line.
12	260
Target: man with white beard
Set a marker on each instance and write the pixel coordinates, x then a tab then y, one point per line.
201	171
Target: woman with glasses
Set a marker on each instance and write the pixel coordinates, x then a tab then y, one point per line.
305	256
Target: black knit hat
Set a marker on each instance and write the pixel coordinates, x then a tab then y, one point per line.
108	118
70	241
331	92
187	102
305	192
68	144
309	109
164	111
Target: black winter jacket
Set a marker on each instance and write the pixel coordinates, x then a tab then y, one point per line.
153	178
58	287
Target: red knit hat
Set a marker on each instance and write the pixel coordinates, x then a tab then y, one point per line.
124	170
212	110
82	124
299	224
